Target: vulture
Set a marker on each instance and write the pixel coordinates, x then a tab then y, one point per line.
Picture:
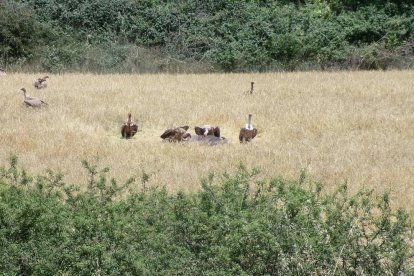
251	88
129	128
177	134
247	133
31	101
207	130
40	82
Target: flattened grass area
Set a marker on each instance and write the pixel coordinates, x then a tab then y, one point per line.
342	126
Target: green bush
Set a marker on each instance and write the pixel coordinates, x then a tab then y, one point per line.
236	224
21	34
235	36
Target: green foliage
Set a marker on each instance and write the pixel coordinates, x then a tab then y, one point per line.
236	224
98	35
21	33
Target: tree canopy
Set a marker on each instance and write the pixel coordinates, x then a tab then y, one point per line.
246	35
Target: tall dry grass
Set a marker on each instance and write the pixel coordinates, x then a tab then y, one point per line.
346	126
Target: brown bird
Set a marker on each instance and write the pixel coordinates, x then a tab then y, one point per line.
247	133
129	128
40	82
251	88
31	101
177	134
207	130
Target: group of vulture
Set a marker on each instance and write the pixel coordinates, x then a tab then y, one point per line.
207	134
203	134
32	101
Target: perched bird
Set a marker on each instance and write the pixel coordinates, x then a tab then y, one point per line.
40	82
207	130
177	134
247	133
129	128
31	101
251	88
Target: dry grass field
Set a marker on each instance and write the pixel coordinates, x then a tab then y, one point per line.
343	126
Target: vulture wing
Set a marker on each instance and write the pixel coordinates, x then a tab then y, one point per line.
247	135
216	132
134	129
168	133
241	134
254	133
128	131
199	130
34	102
124	131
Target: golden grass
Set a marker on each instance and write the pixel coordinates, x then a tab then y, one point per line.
354	126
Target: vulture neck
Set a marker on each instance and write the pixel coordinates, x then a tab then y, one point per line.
129	119
249	123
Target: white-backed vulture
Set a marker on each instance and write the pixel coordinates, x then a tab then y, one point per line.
248	132
40	82
31	101
251	88
129	128
178	134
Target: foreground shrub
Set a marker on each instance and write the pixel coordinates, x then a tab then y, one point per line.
236	224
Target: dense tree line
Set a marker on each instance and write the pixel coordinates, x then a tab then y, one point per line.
222	35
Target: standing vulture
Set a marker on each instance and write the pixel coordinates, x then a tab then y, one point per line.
31	101
177	134
40	82
247	133
129	128
251	88
207	130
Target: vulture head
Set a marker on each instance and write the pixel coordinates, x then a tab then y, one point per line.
24	92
